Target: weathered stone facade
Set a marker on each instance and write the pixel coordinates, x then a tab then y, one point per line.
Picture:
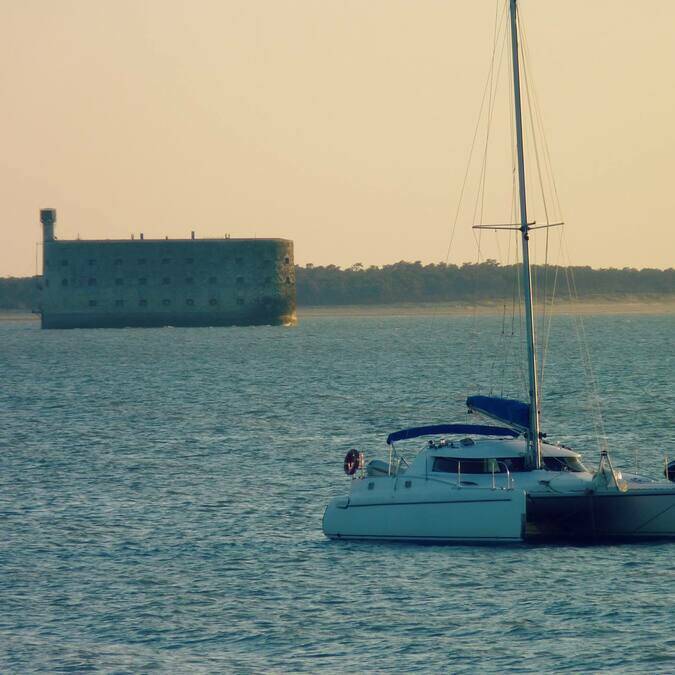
162	282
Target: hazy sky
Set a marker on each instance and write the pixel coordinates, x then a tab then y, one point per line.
344	125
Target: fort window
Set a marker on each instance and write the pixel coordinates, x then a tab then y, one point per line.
287	260
190	302
142	261
189	280
91	282
119	303
166	302
118	261
166	281
142	281
213	280
213	301
64	282
240	301
142	303
119	282
240	281
288	280
92	303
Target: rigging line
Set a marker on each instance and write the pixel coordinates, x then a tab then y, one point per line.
480	195
473	144
582	337
550	313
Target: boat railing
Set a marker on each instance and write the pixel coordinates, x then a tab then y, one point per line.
509	480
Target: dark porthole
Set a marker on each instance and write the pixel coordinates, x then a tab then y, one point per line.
189	280
92	303
143	303
119	282
142	261
166	302
119	303
213	280
238	261
166	281
189	261
190	302
91	282
92	262
64	282
64	263
166	261
142	281
213	301
118	261
240	301
239	281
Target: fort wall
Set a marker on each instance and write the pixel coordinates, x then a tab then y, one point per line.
166	282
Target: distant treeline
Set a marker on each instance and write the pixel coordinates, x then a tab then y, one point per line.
405	282
18	293
414	282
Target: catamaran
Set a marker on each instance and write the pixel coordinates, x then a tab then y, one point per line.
486	483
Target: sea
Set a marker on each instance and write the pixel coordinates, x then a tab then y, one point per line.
161	496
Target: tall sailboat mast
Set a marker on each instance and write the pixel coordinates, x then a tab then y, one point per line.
534	440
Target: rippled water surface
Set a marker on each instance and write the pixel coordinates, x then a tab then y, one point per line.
161	494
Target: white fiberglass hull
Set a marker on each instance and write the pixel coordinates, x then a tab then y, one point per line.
446	515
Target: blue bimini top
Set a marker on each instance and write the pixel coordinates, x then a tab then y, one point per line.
477	429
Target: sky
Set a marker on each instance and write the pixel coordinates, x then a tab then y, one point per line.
345	125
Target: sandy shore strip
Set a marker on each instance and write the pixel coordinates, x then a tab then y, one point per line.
633	306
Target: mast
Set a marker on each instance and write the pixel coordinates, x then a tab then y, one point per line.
534	440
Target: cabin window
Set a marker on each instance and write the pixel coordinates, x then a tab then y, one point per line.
91	282
119	282
190	302
563	464
477	466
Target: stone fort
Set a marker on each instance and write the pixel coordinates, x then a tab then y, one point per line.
165	282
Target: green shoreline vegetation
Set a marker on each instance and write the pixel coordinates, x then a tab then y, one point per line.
458	287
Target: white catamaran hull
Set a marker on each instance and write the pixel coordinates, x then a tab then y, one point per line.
398	513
